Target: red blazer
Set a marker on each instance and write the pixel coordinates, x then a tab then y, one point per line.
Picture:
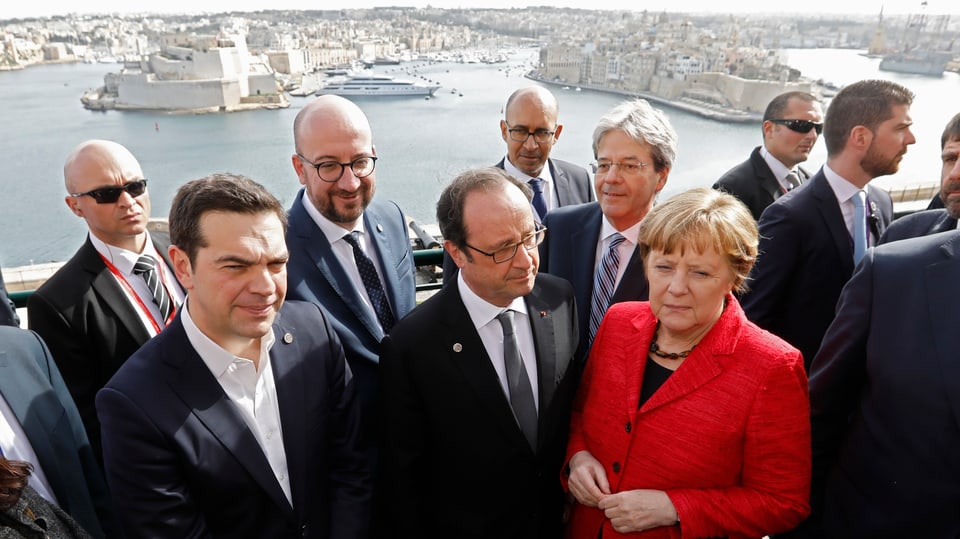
727	436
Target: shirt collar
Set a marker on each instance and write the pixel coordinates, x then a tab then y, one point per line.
331	230
216	358
842	188
121	258
523	176
631	234
480	310
779	170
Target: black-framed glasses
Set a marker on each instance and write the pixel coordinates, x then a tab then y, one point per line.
109	195
507	253
800	126
521	134
627	168
332	171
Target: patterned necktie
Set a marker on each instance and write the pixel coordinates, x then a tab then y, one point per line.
539	203
603	283
371	281
146	267
792	180
859	227
518	383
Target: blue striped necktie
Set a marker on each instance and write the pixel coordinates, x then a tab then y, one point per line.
603	283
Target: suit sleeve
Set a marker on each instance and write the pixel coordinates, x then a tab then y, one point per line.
775	480
401	500
779	250
144	473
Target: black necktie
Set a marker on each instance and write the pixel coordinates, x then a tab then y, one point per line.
146	267
371	281
518	383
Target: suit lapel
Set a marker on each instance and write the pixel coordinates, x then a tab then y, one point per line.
584	242
942	302
386	254
291	400
105	285
561	184
200	391
321	254
829	209
544	328
768	182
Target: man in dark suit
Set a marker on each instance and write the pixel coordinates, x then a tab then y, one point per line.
791	124
808	237
39	424
97	309
885	398
239	420
530	128
480	378
8	311
934	221
335	160
594	246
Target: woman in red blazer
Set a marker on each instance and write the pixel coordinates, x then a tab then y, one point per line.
690	420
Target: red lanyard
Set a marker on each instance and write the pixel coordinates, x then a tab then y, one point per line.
130	292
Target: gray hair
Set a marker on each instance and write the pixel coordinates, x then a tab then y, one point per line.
644	124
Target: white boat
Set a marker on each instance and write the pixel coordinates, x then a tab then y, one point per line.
375	85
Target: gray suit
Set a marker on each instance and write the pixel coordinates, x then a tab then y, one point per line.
454	462
571	183
32	386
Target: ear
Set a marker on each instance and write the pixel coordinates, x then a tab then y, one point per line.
662	181
503	131
298	168
456	254
860	138
74	204
556	132
181	266
768	128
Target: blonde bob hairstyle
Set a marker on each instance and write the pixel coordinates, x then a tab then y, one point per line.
703	219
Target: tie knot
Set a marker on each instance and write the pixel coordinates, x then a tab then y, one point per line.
536	184
144	264
616	239
506	321
857	199
793	179
353	238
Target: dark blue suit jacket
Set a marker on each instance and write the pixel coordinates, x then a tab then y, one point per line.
569	251
32	386
921	223
885	397
181	462
454	462
315	274
806	256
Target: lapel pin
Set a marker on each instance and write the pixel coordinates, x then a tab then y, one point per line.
288	338
379	227
543	314
457	347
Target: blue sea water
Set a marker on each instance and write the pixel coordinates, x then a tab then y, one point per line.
421	143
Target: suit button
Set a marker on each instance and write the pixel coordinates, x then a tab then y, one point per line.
616	467
627	427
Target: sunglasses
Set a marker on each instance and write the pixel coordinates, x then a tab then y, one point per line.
800	126
109	195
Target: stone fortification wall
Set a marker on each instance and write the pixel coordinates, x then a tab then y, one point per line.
144	92
748	95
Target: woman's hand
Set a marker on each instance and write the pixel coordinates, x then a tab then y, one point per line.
638	510
588	480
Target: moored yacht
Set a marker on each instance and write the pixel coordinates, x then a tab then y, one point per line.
375	85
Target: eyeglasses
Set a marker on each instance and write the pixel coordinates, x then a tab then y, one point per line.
507	253
629	168
521	134
800	126
109	195
332	171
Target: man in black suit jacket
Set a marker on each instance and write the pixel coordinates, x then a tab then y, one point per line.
53	439
791	126
885	398
451	399
806	246
94	312
934	221
580	237
239	419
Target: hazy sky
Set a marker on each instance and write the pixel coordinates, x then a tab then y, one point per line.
27	8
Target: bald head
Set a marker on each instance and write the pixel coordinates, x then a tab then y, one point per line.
329	113
534	98
96	159
530	129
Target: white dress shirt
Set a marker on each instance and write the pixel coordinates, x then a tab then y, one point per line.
779	170
484	317
16	446
845	191
625	248
547	186
252	389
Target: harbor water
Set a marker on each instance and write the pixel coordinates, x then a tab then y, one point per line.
421	143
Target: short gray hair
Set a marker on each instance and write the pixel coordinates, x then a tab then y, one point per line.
644	124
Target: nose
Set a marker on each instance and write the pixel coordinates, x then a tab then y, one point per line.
126	199
262	282
678	283
910	139
348	180
530	143
524	258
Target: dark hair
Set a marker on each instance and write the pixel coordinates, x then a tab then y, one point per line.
868	103
452	200
777	106
224	192
14	475
951	131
